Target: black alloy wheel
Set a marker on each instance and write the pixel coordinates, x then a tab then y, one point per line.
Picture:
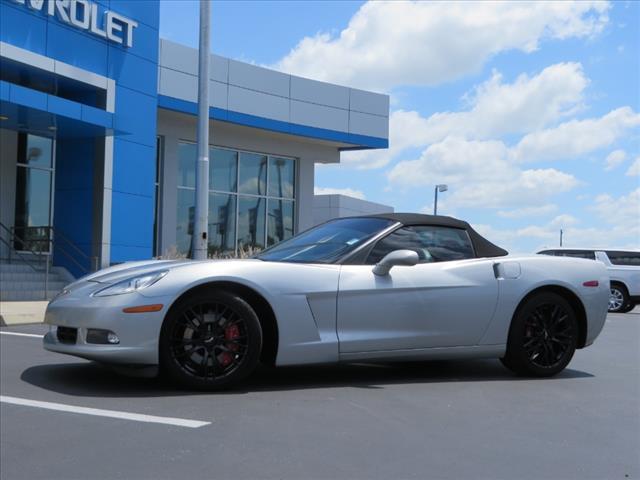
210	340
543	336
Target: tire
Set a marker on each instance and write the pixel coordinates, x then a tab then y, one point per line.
210	340
543	336
618	298
628	307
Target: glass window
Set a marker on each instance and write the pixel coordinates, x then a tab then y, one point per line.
253	174
38	152
624	258
431	243
589	255
281	175
187	156
264	213
279	221
251	218
185	219
223	170
328	242
222	223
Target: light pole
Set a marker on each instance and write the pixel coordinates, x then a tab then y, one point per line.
439	188
201	220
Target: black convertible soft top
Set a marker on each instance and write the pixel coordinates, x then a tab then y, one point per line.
482	246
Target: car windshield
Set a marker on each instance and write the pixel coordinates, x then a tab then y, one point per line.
328	242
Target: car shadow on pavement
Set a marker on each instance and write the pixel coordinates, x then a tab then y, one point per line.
94	380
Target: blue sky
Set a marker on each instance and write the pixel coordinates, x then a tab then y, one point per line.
529	112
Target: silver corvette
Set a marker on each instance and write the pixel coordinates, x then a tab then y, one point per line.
376	288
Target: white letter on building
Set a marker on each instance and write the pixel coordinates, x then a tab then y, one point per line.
94	21
86	14
112	28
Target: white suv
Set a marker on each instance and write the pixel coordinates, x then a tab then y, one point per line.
624	271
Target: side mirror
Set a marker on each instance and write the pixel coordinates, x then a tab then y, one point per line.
407	258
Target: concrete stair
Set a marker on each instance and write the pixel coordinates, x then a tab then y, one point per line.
19	282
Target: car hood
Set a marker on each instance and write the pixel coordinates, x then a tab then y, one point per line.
126	270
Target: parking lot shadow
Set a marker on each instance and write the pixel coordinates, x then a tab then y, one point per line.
94	380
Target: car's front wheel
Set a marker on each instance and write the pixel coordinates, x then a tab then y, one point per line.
618	298
210	340
543	336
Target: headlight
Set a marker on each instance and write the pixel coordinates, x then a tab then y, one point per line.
131	284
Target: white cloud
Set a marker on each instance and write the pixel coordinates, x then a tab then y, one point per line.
576	137
495	109
615	159
623	211
389	44
634	169
525	212
339	191
480	174
620	228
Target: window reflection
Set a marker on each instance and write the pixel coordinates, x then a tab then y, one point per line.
222	224
184	221
263	214
279	221
251	212
253	174
223	170
33	192
187	157
281	172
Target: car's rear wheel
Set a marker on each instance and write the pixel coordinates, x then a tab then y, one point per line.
618	298
628	307
210	340
543	336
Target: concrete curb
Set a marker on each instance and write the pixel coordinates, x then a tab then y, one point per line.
20	313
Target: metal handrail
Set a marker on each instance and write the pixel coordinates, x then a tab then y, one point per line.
53	245
12	238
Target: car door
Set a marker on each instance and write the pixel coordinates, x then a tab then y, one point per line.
448	299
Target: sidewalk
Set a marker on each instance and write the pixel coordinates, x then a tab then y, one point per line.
17	313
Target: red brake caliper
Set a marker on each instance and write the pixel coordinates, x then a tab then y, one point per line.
230	333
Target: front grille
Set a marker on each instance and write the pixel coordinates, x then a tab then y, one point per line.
67	334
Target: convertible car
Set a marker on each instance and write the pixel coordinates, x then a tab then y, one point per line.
372	288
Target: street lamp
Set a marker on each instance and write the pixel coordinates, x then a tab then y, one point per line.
439	188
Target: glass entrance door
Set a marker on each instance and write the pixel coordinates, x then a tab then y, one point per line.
34	177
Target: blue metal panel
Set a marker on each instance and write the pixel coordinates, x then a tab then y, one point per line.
62	106
132	222
28	97
126	253
133	168
5	90
132	71
76	48
145	43
21	28
73	203
136	114
97	116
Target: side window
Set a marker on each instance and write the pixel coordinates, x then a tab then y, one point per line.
624	258
553	253
588	254
431	243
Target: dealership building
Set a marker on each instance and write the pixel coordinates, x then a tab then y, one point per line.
98	130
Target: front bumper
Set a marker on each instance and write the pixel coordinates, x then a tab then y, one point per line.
138	332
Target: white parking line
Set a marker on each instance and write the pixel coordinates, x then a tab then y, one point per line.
18	334
136	417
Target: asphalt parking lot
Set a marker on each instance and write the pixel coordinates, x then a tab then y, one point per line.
459	420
